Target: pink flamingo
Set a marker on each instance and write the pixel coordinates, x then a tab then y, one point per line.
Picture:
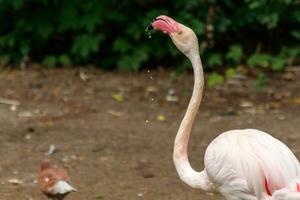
240	164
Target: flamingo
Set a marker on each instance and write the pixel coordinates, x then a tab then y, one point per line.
53	181
246	164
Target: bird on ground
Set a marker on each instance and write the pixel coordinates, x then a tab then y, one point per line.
245	164
53	181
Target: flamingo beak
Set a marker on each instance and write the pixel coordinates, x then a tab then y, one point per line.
150	27
164	23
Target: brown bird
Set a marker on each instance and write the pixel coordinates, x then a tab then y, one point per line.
53	181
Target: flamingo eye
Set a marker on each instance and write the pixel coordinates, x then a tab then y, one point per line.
180	32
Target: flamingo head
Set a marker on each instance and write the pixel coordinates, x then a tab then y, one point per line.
182	36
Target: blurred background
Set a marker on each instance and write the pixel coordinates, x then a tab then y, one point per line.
82	83
110	34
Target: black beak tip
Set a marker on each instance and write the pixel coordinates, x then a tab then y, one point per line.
150	27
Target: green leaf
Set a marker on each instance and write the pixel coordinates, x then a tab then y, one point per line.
270	20
260	82
277	64
45	30
127	63
64	60
16	3
68	18
198	26
49	61
90	21
121	45
85	44
24	48
214	59
223	24
9	41
291	52
118	97
235	53
259	60
296	34
230	73
133	31
215	79
254	4
132	61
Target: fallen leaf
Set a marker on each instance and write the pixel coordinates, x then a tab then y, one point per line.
9	102
28	114
118	97
161	117
13	107
51	150
83	76
15	181
25	114
171	95
115	113
150	90
28	136
49	123
251	111
246	104
171	98
140	194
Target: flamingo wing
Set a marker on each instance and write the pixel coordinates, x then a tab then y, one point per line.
245	163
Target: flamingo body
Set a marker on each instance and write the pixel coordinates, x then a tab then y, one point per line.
250	164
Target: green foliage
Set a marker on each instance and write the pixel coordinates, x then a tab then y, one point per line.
85	44
261	81
49	61
215	79
230	72
259	60
214	59
110	33
277	63
235	53
64	60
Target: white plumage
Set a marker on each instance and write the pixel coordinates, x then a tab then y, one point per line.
61	187
250	164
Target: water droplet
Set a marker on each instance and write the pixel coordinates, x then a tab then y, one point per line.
149	35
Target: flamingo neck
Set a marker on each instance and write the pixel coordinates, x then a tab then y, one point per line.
186	173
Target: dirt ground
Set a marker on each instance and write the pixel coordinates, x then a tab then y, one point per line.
114	132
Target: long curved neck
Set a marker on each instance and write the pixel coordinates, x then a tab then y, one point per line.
185	171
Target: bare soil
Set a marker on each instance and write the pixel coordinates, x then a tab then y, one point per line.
114	132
